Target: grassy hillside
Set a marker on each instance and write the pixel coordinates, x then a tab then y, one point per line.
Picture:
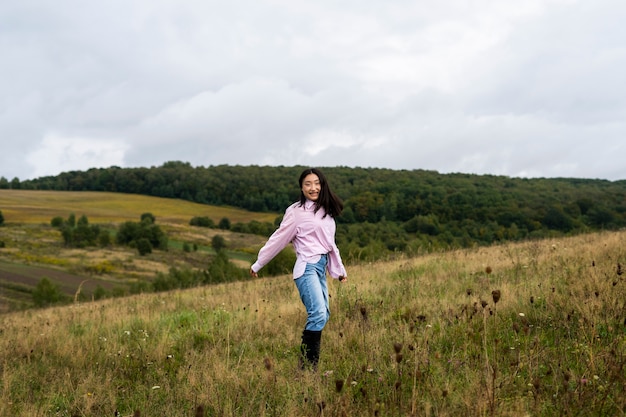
33	249
28	206
536	328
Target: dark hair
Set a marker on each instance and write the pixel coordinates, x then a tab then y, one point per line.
328	200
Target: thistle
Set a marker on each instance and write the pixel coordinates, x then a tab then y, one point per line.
338	385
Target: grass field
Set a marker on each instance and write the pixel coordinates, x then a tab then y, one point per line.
28	206
33	249
527	329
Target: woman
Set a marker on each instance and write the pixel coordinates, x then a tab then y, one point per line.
309	225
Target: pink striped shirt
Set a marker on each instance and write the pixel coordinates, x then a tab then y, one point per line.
312	236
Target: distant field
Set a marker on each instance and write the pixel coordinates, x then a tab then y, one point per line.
34	250
31	206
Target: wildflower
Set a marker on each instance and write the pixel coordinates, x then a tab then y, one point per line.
268	364
397	347
488	270
495	294
522	315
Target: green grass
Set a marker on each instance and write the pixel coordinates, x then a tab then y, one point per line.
421	336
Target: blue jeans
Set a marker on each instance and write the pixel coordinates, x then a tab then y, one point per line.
314	294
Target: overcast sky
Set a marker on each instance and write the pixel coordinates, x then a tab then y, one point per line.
533	88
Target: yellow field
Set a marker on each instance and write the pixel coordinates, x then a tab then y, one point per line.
30	206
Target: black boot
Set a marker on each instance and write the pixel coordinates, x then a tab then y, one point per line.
310	348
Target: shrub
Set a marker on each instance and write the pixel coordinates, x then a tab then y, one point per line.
224	224
99	293
46	293
78	234
202	222
218	243
148	218
57	221
129	233
144	246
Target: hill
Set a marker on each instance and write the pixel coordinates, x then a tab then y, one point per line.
386	211
33	249
535	328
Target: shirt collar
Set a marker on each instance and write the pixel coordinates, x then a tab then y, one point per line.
309	204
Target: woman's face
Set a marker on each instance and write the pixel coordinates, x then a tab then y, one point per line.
311	187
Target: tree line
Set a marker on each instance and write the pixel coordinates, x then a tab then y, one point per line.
385	210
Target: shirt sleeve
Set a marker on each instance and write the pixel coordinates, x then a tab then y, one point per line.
277	241
335	265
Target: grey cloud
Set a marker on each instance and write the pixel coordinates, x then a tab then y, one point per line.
522	89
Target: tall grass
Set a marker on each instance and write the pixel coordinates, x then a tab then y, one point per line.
537	328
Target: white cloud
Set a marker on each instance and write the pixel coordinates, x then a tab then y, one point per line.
57	153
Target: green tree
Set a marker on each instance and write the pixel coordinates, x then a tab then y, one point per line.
47	293
203	221
144	246
99	293
104	238
222	270
224	224
218	243
57	221
148	217
130	232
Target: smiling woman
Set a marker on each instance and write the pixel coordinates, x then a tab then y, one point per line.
309	225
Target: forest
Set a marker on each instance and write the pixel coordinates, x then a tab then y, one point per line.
385	210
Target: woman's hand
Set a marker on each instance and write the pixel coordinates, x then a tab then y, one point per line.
343	279
253	274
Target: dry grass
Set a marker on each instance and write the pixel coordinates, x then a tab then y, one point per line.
408	337
29	206
30	240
